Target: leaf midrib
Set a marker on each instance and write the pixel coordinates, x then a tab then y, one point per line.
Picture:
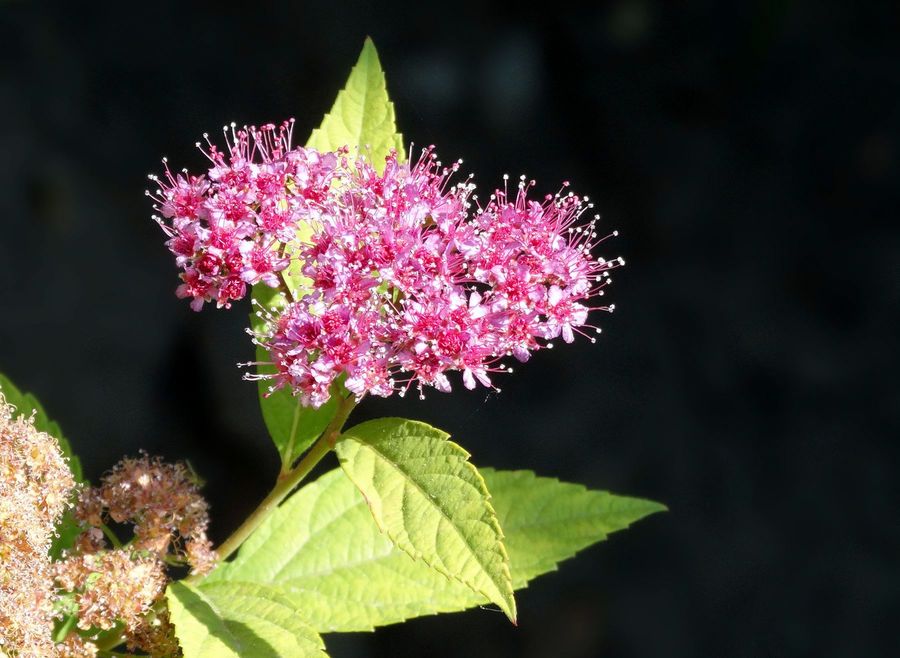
466	464
364	104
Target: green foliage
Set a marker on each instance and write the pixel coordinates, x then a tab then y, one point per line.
323	550
67	531
362	115
231	620
292	426
546	521
25	404
431	501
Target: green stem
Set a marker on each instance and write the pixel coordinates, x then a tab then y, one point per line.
110	643
288	481
285	289
67	626
173	561
287	458
111	536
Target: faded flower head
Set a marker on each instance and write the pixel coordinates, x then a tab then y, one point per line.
408	277
117	587
155	635
112	586
106	587
123	586
35	484
161	500
75	646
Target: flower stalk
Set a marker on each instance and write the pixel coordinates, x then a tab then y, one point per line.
284	288
288	481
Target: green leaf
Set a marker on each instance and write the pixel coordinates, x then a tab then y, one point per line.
292	426
231	620
67	531
25	404
363	115
547	521
323	550
431	501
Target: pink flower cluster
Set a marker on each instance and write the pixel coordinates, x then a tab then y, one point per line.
410	276
225	228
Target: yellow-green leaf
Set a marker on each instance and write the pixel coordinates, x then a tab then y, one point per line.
235	620
431	501
324	551
362	115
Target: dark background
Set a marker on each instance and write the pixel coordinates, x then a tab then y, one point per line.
748	155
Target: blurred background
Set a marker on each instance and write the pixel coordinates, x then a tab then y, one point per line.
748	153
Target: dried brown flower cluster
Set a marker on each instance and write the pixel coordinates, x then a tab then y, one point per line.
156	636
112	586
104	586
35	485
75	646
161	500
124	584
115	587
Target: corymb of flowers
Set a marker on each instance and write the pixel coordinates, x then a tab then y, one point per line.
392	273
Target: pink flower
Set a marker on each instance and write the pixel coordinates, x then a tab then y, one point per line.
225	229
411	278
409	285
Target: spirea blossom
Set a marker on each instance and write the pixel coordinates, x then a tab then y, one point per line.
224	228
408	284
406	275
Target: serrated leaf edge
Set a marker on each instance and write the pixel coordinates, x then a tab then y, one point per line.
507	587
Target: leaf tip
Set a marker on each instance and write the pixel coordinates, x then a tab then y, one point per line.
369	50
513	615
653	507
